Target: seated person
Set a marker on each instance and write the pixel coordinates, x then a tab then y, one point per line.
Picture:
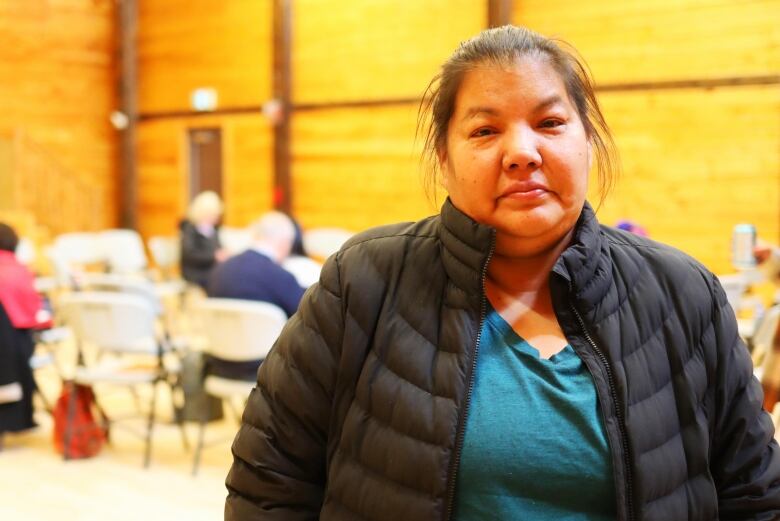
200	246
256	274
21	311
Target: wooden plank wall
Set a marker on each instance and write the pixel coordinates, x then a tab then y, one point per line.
57	77
696	160
184	45
358	166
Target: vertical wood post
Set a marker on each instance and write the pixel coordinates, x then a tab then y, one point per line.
282	40
499	12
127	18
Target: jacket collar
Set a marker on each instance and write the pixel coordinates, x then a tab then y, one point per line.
467	245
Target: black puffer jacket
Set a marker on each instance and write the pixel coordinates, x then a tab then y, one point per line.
360	407
197	253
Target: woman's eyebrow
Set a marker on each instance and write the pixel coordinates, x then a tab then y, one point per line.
554	99
476	111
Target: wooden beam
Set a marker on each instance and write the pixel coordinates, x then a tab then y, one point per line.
127	22
282	87
499	12
356	103
224	111
704	83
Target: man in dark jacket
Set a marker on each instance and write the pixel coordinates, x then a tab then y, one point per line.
256	274
350	425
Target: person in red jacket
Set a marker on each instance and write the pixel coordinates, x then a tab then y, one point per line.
21	311
18	297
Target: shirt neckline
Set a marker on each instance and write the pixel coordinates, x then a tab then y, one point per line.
520	344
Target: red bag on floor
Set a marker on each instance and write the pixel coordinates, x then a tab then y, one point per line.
85	435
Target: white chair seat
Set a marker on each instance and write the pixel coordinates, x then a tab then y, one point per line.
116	373
226	388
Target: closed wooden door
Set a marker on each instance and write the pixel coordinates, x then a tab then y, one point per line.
205	160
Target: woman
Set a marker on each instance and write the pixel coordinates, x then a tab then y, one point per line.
200	246
21	311
509	358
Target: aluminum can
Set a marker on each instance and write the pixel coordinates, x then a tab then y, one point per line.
743	242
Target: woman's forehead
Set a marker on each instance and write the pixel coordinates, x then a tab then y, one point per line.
526	78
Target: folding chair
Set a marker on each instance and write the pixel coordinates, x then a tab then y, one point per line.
237	331
122	325
166	253
123	250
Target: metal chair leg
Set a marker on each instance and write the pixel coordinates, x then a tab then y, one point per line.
150	426
177	412
199	448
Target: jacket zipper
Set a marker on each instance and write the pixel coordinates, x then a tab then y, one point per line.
461	432
618	411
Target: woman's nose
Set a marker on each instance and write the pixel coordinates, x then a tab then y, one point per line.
521	151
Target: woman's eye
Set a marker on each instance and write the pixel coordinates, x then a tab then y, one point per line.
551	123
482	132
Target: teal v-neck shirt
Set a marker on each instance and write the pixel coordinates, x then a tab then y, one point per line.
535	445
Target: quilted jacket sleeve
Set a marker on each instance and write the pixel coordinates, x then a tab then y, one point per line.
745	458
279	453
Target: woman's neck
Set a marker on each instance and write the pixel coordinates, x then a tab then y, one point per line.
523	274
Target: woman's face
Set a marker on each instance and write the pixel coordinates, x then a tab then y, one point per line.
517	155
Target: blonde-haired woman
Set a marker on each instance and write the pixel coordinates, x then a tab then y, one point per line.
200	246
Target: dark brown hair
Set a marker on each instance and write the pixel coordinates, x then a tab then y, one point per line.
503	46
8	238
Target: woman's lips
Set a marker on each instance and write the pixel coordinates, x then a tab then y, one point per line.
524	191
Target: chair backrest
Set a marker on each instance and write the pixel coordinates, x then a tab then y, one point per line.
239	330
110	321
235	240
128	284
305	270
324	242
59	266
166	251
124	250
79	248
